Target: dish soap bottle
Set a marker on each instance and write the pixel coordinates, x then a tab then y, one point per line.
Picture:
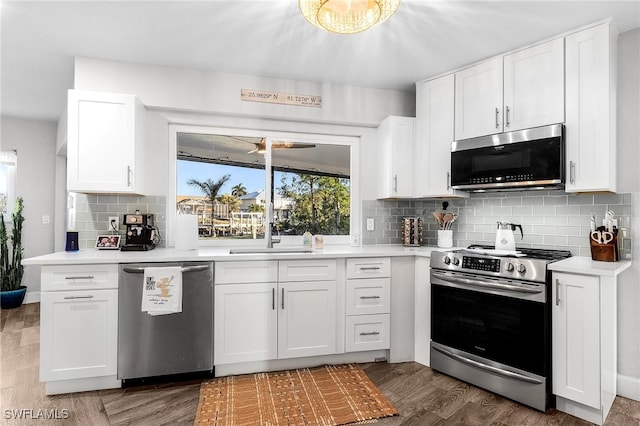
307	239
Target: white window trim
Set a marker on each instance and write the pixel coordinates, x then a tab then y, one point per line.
352	141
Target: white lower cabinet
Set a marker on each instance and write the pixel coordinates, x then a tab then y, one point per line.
78	336
584	344
275	320
246	323
368	304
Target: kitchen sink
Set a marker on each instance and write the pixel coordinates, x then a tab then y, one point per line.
275	250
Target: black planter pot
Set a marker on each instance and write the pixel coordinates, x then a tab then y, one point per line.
12	298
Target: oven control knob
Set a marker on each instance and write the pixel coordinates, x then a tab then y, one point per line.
509	267
446	260
456	261
521	268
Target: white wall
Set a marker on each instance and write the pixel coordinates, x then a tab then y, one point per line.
628	131
35	142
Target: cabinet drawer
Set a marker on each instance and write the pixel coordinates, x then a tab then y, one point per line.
256	271
372	267
367	332
307	270
370	296
79	277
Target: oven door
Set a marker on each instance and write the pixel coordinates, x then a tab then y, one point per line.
505	321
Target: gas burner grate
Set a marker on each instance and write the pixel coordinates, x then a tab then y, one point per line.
532	253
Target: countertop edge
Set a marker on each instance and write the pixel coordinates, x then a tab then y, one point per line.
94	256
586	266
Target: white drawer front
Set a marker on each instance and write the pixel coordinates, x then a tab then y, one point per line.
367	332
373	267
370	296
307	270
256	271
79	277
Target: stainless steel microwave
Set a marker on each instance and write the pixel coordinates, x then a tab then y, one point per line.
523	159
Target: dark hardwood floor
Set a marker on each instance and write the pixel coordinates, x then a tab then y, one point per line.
421	395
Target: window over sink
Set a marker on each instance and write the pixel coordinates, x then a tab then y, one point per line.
237	181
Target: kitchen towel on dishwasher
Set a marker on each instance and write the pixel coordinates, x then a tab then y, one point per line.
162	290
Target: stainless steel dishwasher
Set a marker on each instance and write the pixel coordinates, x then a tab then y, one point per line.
177	343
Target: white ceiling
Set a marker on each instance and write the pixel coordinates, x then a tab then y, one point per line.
269	38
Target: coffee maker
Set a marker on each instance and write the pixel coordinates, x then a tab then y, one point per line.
141	234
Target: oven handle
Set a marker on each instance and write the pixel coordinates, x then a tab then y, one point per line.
496	370
487	284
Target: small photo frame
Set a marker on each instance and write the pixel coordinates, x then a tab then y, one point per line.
108	242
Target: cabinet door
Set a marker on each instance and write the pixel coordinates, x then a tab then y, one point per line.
307	319
576	338
79	334
590	98
395	157
101	147
478	103
434	135
534	86
245	324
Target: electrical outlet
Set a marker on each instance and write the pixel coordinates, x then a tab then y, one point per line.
370	224
113	224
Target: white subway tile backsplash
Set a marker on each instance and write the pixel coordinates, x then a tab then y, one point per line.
550	219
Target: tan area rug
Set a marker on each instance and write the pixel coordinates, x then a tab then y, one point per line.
329	395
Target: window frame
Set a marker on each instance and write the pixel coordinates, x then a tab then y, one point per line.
316	138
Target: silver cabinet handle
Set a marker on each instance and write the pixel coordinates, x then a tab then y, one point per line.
557	292
282	302
78	297
369	297
395	183
371	333
273	299
80	277
572	172
128	176
497	116
506	116
369	268
448	181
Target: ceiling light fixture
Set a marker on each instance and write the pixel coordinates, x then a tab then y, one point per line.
347	16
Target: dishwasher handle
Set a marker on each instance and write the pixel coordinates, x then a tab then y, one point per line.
138	270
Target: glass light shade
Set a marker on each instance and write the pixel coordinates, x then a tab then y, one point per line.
347	16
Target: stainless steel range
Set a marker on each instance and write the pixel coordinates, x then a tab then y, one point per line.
490	320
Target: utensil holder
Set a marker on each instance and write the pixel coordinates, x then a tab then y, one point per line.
607	252
445	238
412	231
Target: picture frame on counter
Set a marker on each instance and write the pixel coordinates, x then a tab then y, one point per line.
108	242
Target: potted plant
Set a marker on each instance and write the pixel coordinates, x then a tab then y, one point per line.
11	269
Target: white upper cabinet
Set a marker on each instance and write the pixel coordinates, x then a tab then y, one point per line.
104	143
534	86
434	135
518	91
478	101
591	109
395	157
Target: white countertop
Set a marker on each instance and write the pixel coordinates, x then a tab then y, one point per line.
587	266
94	256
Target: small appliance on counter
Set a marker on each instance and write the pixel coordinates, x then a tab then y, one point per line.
141	234
412	231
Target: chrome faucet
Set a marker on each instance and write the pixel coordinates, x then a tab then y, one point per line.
270	240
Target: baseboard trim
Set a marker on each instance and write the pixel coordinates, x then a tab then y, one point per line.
629	387
32	297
